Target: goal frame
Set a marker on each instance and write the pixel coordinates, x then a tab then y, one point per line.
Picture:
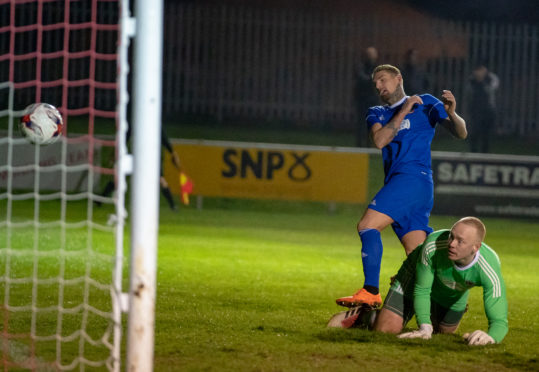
146	127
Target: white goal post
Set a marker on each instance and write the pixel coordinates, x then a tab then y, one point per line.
145	183
63	282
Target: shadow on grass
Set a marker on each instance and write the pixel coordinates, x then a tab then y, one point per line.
513	361
439	344
447	343
353	336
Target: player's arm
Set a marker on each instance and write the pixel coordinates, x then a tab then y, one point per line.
496	311
422	290
495	302
455	124
381	136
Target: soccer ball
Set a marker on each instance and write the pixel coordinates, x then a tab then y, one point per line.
41	123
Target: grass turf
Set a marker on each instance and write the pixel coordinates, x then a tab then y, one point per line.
252	290
250	285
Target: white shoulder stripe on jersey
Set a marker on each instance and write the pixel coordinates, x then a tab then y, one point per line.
433	106
493	277
432	246
375	118
426	252
492	251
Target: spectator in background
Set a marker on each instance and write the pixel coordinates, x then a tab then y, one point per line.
365	95
481	98
417	81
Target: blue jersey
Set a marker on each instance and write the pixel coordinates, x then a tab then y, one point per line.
409	151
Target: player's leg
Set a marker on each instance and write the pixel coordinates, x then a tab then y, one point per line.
388	322
166	192
398	306
369	228
412	239
445	320
373	219
165	189
107	191
412	223
448	329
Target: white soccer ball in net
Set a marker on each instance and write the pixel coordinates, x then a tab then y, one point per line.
41	123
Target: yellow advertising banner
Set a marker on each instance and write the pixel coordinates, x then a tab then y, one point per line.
289	172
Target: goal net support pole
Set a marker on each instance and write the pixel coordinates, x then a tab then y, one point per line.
146	121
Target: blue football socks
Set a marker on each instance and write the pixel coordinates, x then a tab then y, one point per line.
371	255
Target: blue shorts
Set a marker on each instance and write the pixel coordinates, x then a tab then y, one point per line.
408	200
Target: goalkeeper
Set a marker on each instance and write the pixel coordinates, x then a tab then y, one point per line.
445	267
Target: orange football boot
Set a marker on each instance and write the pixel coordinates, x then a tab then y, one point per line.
361	297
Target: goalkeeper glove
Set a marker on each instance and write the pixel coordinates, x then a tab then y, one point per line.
478	338
424	332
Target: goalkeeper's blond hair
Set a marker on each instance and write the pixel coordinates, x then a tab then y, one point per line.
474	222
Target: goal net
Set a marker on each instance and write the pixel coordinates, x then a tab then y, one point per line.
61	206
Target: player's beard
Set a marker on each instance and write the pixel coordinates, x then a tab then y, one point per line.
396	96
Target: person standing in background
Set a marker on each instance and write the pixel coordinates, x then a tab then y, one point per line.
481	98
417	81
365	95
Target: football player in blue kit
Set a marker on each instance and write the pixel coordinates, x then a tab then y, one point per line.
403	128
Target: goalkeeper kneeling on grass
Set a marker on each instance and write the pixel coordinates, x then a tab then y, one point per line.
433	283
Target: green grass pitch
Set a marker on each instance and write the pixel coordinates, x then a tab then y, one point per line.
250	286
251	289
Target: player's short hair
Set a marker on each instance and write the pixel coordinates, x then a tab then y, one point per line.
389	68
475	222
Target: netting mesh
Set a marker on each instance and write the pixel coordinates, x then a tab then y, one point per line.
57	226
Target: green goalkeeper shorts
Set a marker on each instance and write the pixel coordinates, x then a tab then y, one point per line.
399	300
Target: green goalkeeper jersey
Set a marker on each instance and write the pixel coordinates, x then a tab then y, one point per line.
439	279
